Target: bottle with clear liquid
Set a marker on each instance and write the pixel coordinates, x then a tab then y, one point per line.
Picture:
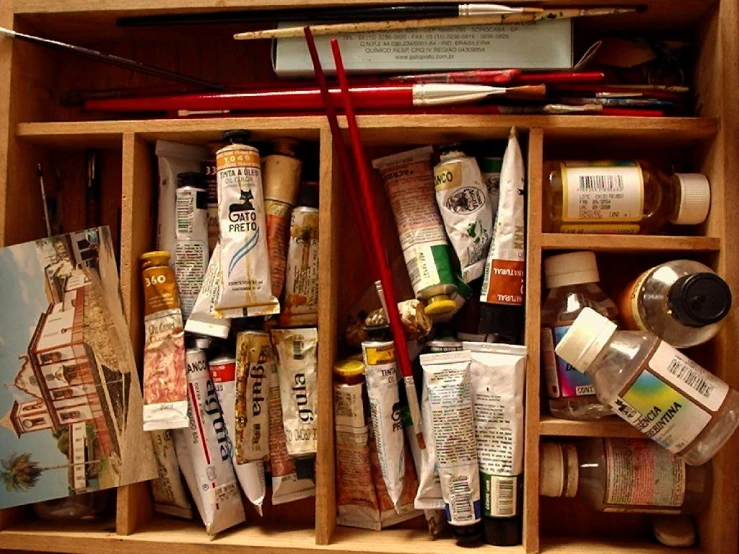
621	197
573	282
657	389
624	475
683	302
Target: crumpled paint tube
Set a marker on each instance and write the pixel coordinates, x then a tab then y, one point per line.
250	476
301	276
204	320
385	410
210	475
447	377
253	360
168	490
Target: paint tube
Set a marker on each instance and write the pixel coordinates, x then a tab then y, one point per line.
385	411
168	490
174	158
390	514
497	375
250	476
286	487
447	377
191	256
416	323
295	353
409	181
204	320
464	293
464	204
281	170
209	169
253	360
246	284
301	286
211	476
501	311
165	382
490	168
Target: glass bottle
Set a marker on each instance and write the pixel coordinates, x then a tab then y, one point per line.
655	388
621	197
624	475
573	282
683	302
79	507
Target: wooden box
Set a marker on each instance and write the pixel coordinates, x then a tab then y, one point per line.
33	129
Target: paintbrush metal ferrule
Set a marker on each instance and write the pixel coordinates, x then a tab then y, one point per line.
434	94
468	10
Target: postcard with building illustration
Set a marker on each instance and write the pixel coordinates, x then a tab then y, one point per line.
70	402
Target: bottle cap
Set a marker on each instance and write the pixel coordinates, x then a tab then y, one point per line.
695	199
439	304
587	336
467	535
191	179
699	299
502	531
573	268
285	146
308	195
558	470
506	322
349	368
237	136
674	531
157	257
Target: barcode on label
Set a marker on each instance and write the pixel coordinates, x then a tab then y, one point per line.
298	353
504	497
461	500
184	216
692	377
413	270
601	183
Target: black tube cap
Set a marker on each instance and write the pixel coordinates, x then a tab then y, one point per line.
305	468
467	535
502	531
699	299
308	195
237	136
504	321
191	179
377	332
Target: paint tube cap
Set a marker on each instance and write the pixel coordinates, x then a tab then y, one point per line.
467	535
237	136
349	368
675	531
699	299
308	195
191	179
506	322
439	305
305	468
695	199
586	338
377	332
154	258
202	342
502	531
573	268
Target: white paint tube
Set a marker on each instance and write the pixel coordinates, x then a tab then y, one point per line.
250	476
497	374
464	204
286	487
168	490
301	281
447	376
296	351
385	411
204	320
253	360
246	283
174	158
211	476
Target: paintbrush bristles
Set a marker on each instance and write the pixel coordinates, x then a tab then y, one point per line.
7	32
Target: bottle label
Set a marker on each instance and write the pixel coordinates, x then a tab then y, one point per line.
671	400
599	192
562	379
615	229
642	476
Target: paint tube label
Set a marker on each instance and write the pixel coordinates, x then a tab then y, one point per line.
286	487
447	377
301	286
504	270
204	320
671	399
246	285
464	204
409	182
386	415
562	379
191	256
608	192
207	445
168	490
251	475
490	169
165	382
296	351
253	358
210	170
497	374
278	228
429	485
641	475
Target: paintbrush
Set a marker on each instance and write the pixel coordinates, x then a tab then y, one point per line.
111	59
44	201
398	25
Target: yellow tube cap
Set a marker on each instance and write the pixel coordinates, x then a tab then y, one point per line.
349	368
157	257
439	305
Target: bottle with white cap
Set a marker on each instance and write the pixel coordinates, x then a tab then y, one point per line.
622	197
657	389
683	302
573	282
624	475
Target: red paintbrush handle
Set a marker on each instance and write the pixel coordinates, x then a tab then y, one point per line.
562	77
477	76
376	97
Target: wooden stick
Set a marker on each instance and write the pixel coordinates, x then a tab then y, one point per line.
402	25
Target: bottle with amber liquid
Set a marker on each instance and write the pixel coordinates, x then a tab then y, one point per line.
621	197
